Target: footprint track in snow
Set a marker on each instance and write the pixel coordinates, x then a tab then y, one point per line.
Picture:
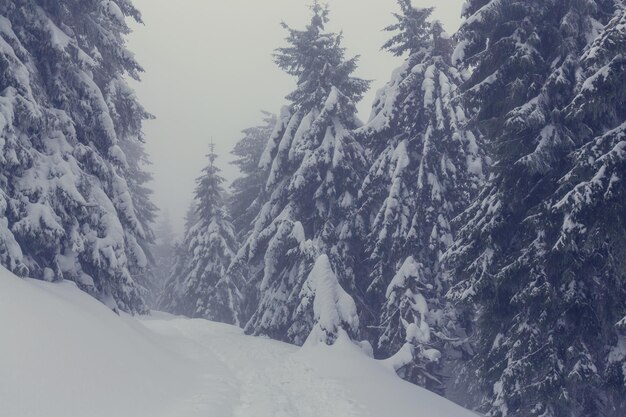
273	382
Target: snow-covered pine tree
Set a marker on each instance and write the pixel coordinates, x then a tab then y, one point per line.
243	203
141	261
334	311
592	203
314	170
426	168
541	333
163	251
73	203
199	285
407	324
180	260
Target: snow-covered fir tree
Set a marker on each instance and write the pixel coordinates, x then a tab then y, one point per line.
592	203
535	251
199	285
73	202
426	167
407	319
243	203
334	311
314	168
163	251
180	259
141	262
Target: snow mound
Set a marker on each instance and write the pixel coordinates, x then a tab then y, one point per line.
64	354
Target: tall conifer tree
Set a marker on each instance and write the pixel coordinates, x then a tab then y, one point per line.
73	201
244	202
314	168
538	282
426	168
200	286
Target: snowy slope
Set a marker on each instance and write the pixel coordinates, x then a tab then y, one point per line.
64	354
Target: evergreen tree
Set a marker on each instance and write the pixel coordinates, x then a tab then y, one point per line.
141	260
333	309
542	332
592	204
73	201
199	285
163	251
426	168
244	201
314	167
181	258
408	324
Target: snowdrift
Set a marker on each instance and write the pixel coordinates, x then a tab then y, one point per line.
63	354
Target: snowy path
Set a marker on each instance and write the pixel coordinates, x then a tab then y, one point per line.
270	377
274	379
64	354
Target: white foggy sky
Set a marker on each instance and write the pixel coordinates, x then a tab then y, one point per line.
209	73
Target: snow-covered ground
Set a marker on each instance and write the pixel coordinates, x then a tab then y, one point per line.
63	354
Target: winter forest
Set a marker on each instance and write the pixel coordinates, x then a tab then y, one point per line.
460	252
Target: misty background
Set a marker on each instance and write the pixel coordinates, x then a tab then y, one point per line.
210	72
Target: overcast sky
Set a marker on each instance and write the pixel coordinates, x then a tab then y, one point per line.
209	72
